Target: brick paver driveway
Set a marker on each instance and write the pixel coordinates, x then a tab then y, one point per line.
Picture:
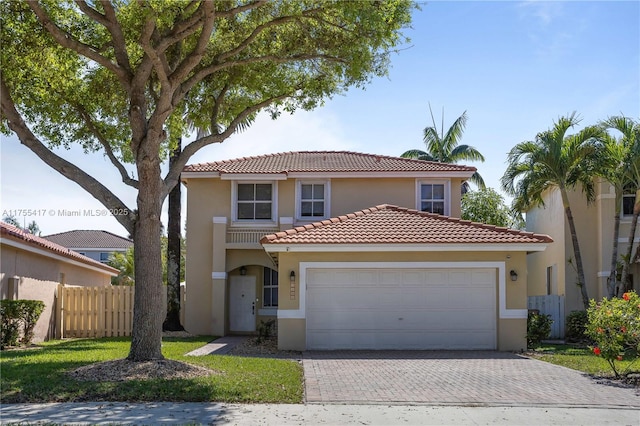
453	377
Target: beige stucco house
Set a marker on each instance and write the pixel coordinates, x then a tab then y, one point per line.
550	272
350	251
32	267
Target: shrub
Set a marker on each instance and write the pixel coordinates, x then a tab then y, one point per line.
538	328
614	326
16	313
265	330
576	326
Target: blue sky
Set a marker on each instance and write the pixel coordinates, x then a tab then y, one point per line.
515	67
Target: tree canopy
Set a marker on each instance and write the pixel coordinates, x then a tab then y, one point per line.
488	206
130	78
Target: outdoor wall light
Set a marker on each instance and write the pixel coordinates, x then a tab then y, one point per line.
514	275
292	276
243	270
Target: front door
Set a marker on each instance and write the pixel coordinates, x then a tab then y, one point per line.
242	303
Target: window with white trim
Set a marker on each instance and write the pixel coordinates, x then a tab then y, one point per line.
104	257
433	197
312	200
254	201
270	288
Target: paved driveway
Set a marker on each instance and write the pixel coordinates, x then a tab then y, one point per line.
453	377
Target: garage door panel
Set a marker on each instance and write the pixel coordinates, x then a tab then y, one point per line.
407	340
401	309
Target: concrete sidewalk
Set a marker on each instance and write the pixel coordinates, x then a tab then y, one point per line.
311	414
220	346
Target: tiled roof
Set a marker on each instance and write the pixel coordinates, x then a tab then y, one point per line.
324	161
83	239
14	233
388	224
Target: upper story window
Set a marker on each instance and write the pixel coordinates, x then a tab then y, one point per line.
433	197
312	200
104	257
254	201
628	201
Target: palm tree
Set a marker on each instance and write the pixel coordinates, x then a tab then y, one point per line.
445	148
629	174
616	167
123	262
555	161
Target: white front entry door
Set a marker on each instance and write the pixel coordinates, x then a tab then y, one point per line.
242	303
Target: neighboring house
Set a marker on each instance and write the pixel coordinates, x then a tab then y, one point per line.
95	244
293	236
551	273
31	267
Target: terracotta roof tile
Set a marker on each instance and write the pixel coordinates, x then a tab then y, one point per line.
90	239
324	161
388	224
15	233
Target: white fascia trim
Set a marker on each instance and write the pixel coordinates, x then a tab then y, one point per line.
199	175
254	176
220	219
605	196
307	248
504	313
343	175
46	253
626	240
98	249
218	275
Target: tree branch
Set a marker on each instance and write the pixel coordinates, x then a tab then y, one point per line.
118	41
64	167
67	40
107	147
173	175
194	58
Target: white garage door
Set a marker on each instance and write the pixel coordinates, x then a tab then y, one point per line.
401	308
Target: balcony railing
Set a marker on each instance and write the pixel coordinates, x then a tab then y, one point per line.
245	238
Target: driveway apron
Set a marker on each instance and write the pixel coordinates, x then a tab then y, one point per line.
456	378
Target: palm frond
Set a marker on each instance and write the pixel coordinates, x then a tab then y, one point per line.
413	153
465	152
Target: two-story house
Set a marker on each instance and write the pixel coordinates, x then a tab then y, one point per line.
553	271
95	244
350	251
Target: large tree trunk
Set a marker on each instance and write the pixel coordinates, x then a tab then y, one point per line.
627	260
146	339
582	283
611	282
172	321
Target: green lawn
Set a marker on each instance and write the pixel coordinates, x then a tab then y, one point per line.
581	358
39	375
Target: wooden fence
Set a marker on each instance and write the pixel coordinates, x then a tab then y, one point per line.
97	311
552	305
94	311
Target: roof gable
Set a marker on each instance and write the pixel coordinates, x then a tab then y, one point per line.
90	239
388	224
324	162
10	232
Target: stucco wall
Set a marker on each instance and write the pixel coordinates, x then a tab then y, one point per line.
511	332
38	277
206	297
